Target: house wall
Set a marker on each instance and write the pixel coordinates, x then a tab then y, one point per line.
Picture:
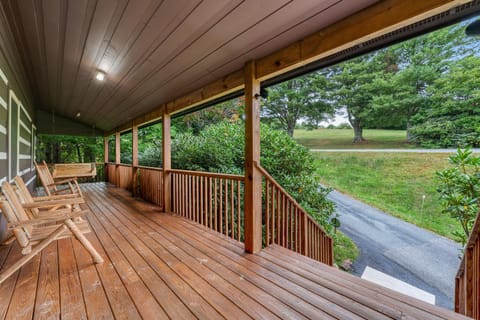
17	129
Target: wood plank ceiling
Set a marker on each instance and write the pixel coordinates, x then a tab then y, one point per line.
152	50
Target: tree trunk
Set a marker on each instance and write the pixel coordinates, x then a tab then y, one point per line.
88	155
290	128
79	154
358	132
48	152
56	153
409	132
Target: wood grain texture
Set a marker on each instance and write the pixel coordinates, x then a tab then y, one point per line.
168	267
467	280
253	177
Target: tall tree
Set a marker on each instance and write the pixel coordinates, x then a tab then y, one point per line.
354	85
421	61
453	116
300	98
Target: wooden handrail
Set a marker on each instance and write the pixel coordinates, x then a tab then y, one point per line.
215	200
211	199
277	185
467	280
123	164
149	168
289	197
209	174
289	225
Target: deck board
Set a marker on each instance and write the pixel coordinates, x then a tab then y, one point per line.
159	266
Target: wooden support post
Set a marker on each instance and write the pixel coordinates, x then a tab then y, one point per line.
105	158
117	148
253	177
134	159
117	158
167	164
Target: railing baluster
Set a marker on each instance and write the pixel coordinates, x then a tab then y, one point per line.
289	226
225	201
215	215
239	214
232	211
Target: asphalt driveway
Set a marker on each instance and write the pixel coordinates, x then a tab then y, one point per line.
400	249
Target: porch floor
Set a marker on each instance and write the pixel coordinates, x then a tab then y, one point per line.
159	266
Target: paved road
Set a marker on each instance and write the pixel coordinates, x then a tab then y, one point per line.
393	150
399	249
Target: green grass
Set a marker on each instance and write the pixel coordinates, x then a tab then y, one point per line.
344	248
392	182
342	139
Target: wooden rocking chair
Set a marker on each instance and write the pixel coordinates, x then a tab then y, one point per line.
51	186
35	234
33	205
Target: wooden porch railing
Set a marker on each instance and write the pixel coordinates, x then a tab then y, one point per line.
150	184
216	201
287	224
120	175
211	199
467	281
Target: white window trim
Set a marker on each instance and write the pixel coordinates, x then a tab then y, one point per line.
25	126
3	103
4	77
31	180
25	171
26	113
24	141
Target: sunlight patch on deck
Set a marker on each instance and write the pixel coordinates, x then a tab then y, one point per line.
390	282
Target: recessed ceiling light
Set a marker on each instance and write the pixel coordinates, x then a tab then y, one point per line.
78	114
100	76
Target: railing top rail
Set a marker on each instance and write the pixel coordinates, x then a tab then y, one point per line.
475	233
289	197
209	174
123	164
150	168
472	239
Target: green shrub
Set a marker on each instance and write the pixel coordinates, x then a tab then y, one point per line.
220	148
459	189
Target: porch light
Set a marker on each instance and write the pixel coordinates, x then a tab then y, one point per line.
100	76
78	114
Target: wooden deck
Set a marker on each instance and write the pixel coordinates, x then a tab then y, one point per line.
159	266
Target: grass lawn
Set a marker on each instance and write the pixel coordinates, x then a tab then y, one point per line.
342	139
344	248
393	182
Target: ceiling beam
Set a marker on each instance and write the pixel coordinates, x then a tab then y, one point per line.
369	23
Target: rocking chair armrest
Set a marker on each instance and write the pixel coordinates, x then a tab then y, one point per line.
53	203
33	222
55	212
56	197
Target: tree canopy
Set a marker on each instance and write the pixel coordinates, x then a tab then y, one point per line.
303	98
402	86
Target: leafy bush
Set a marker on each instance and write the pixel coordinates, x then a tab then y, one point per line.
220	148
461	131
452	118
459	190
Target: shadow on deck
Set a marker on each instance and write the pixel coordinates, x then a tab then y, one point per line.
159	266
